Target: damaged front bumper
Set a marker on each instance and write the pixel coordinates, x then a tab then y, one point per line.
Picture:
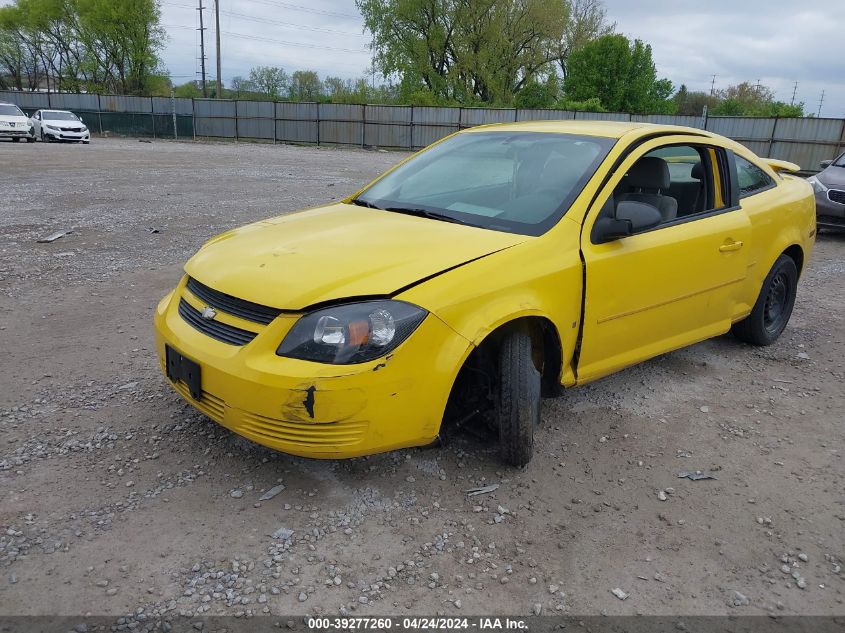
313	409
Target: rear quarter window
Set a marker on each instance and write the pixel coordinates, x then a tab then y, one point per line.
751	178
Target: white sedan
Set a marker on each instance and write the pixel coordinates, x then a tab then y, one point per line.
59	125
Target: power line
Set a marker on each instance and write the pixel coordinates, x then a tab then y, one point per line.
319	29
296	7
258	38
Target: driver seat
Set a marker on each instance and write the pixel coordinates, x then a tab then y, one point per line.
648	178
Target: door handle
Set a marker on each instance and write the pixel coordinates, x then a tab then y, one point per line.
730	246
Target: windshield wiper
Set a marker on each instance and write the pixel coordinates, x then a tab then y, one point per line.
364	203
424	213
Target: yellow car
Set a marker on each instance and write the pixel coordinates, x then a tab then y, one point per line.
499	264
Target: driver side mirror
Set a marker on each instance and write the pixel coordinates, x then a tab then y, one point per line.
825	164
631	217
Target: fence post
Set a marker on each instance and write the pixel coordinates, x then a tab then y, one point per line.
99	114
841	139
772	137
515	115
237	132
173	111
318	123
275	122
363	122
194	118
411	140
153	117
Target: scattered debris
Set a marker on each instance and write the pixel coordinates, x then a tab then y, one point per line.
282	534
803	356
704	409
661	494
482	490
740	599
694	475
152	230
619	593
53	237
236	494
144	140
272	492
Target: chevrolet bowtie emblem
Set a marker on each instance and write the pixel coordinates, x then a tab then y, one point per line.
208	313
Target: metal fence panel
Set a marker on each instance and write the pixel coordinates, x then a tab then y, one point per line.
296	131
124	103
212	108
544	115
256	128
603	116
809	129
126	123
668	119
27	101
215	126
297	111
255	109
437	116
341	132
70	101
387	135
341	112
400	115
807	155
426	134
742	128
480	116
164	105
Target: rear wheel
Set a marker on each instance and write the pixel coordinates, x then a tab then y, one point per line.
30	139
773	307
518	399
16	139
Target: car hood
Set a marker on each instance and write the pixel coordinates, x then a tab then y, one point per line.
832	176
13	119
60	123
335	252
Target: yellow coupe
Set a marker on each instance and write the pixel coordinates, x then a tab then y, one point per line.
499	264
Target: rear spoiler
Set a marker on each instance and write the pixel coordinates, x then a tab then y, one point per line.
781	165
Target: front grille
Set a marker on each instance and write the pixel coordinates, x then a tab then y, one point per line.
70	129
232	305
836	196
215	329
304	435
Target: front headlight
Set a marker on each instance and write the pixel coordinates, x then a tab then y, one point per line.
50	127
84	129
351	333
818	185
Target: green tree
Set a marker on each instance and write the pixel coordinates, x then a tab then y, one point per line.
268	81
586	21
305	85
537	95
620	73
464	50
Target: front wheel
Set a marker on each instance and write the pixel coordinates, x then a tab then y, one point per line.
518	401
773	306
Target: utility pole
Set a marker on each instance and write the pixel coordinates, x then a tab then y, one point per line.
202	50
217	33
713	85
821	101
794	90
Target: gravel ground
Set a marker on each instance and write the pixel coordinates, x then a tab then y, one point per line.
117	499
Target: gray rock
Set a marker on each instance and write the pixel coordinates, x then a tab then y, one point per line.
283	534
740	599
303	596
236	494
619	593
803	557
271	493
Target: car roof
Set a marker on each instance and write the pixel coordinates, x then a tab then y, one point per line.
608	129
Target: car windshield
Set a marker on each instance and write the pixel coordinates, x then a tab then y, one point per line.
518	182
10	110
51	115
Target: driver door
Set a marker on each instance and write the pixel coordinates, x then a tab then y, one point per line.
671	285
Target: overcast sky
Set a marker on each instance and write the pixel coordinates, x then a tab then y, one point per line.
777	42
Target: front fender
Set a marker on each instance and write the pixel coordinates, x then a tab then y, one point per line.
541	277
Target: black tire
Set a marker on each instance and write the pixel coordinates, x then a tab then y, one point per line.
16	139
30	139
518	399
773	306
43	138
